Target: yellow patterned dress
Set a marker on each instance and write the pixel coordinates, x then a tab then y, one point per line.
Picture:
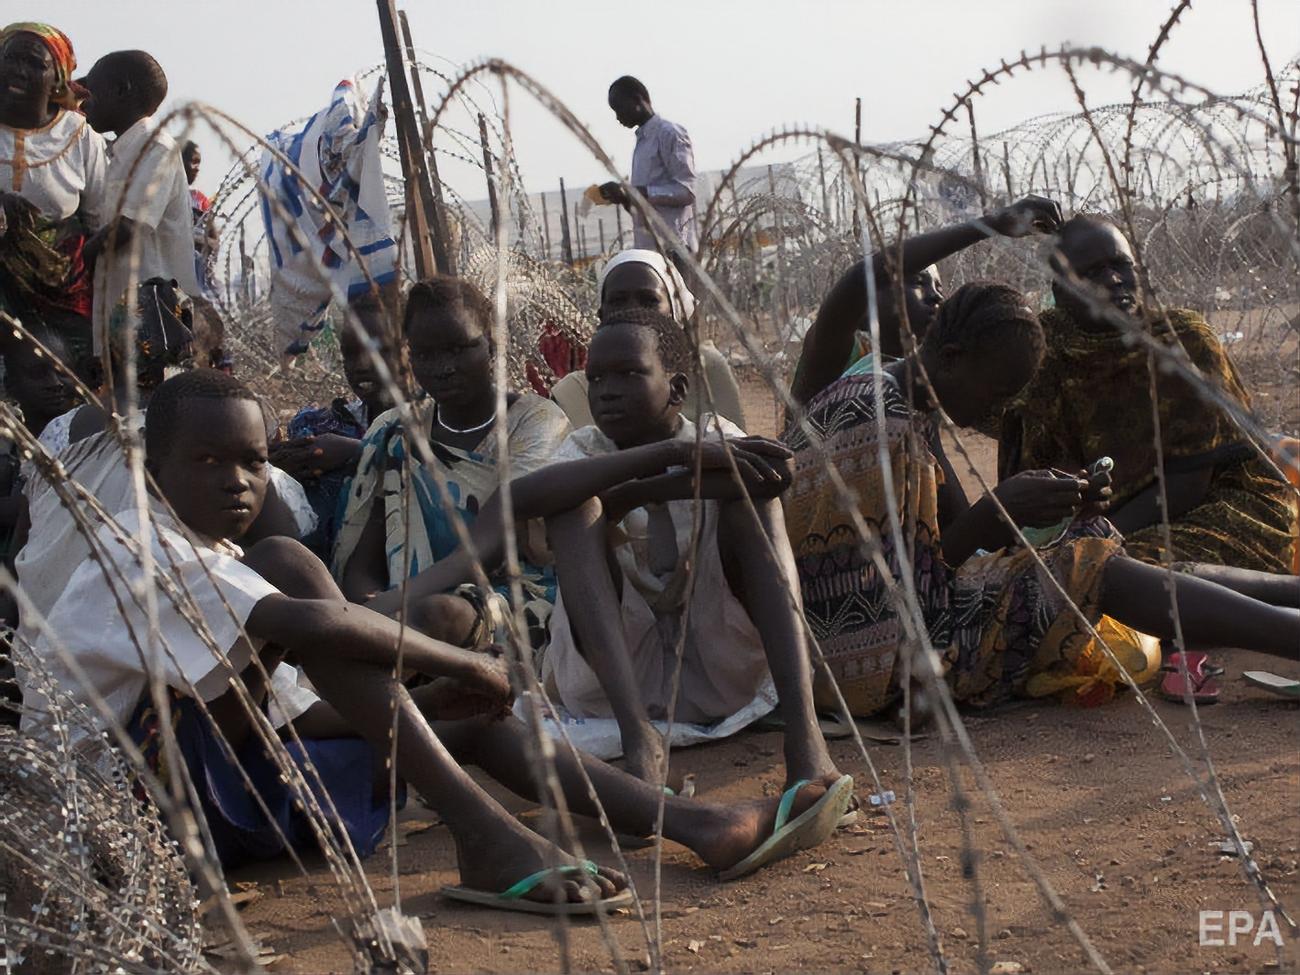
1091	398
995	620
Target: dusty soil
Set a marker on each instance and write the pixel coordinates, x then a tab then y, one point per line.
1103	806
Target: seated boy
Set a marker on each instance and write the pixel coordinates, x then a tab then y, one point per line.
206	447
622	525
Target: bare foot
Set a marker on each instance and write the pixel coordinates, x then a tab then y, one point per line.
730	833
497	859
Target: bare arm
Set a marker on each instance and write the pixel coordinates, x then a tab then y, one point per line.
829	341
621	478
366	572
341	631
487	534
1185	490
1033	499
564	486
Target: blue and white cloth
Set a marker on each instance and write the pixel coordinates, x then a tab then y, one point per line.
337	152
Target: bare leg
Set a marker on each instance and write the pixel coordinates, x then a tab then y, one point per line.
493	849
721	835
579	540
1267	587
764	587
444	617
1212	615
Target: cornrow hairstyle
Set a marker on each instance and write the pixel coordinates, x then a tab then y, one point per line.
676	351
631	86
163	415
443	292
982	315
144	74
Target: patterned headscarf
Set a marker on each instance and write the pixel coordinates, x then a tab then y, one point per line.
67	93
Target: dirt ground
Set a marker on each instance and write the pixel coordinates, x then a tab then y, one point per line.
1103	806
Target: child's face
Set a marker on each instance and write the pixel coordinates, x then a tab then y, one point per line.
359	369
38	387
634	399
634	285
450	356
215	473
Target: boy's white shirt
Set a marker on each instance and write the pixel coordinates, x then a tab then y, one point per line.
146	183
109	642
590	442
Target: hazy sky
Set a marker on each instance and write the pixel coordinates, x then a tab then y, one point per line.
729	70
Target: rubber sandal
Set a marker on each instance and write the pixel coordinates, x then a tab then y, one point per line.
513	899
815	825
1200	673
1286	687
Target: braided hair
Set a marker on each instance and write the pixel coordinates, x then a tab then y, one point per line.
676	351
981	315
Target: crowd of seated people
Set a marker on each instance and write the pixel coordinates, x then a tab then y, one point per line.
664	563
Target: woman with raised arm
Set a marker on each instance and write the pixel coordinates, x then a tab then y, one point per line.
837	341
992	615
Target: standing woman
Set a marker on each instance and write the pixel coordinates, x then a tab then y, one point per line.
52	174
396	524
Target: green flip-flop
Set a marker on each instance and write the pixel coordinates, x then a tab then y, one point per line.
815	825
515	898
1282	686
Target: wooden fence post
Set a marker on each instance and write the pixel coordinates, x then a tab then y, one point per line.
442	256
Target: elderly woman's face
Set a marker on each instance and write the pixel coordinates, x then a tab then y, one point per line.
27	71
634	285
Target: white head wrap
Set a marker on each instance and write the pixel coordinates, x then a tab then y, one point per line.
679	296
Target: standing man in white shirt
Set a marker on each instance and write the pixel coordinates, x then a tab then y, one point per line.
150	232
663	165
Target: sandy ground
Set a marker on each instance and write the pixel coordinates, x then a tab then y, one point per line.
1105	810
1102	805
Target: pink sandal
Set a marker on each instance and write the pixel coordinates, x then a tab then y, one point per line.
1200	674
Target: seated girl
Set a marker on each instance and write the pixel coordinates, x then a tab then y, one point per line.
397	523
218	607
990	614
639	575
645	279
